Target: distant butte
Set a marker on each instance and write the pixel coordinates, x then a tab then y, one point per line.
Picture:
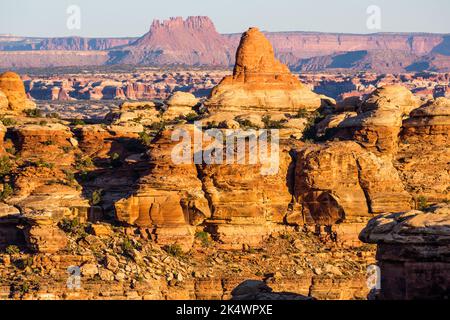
196	42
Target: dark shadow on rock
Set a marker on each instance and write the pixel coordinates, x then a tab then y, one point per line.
115	178
259	290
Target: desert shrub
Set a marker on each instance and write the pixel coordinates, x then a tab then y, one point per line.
145	138
158	126
245	123
192	117
174	250
54	115
12	249
11	150
422	203
302	114
67	149
43	164
83	163
33	113
203	237
23	287
5	166
310	131
215	125
7	192
70	176
96	197
78	122
115	160
272	124
8	122
73	227
48	143
128	247
23	263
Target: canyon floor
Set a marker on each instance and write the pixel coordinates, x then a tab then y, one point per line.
126	265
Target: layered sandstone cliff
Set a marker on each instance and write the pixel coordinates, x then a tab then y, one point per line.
195	41
412	253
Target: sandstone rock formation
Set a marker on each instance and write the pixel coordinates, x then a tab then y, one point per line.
144	113
180	104
246	204
13	89
377	126
169	199
413	250
424	151
341	181
260	82
4	103
44	142
43	235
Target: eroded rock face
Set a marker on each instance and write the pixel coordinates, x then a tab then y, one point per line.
102	141
246	204
424	151
44	142
379	119
341	181
14	90
413	251
43	235
4	104
194	41
169	199
412	227
260	82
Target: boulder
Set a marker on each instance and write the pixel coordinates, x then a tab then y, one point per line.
42	233
180	104
182	99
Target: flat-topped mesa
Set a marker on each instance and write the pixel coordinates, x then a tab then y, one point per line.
194	22
260	82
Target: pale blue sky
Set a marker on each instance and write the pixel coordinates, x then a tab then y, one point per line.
100	18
